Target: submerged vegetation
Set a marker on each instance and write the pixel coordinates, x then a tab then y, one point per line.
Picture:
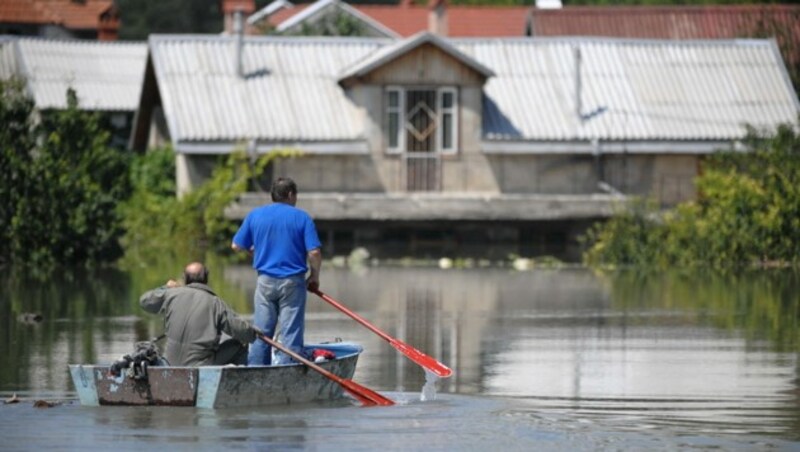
747	213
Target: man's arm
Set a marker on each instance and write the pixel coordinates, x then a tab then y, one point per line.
315	264
236	247
153	300
231	324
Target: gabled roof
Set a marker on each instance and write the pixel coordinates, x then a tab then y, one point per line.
632	90
70	14
106	75
403	46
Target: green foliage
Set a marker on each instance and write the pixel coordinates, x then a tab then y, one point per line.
335	24
159	224
141	18
17	139
59	196
748	213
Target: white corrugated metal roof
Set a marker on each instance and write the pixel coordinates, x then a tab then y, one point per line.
289	91
106	76
8	60
631	89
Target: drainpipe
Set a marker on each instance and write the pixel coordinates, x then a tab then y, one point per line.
238	29
578	84
597	151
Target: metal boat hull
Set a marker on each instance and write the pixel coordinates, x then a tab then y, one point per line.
217	386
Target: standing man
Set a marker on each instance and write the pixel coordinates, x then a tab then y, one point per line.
281	238
195	318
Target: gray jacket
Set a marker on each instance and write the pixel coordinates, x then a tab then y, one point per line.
194	318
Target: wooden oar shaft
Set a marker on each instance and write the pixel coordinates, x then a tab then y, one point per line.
354	315
415	355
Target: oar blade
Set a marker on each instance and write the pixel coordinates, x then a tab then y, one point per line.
366	396
422	359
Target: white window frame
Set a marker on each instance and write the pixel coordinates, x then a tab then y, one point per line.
400	110
453	111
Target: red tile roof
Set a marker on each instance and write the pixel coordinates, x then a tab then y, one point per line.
77	15
663	22
246	6
462	21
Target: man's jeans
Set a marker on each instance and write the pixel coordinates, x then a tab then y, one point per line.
279	303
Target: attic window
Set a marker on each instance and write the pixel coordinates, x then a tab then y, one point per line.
421	120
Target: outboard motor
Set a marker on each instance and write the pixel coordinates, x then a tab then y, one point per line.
145	355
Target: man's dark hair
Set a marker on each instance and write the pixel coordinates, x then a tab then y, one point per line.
195	273
282	187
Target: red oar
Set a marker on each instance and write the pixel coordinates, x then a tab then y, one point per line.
415	355
365	395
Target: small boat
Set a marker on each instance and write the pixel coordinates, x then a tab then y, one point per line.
218	386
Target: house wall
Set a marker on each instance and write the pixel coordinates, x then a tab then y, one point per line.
669	178
427	66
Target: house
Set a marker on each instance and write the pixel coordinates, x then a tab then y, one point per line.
107	76
547	19
62	19
781	22
396	20
426	140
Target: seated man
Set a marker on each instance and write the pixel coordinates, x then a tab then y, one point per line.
194	318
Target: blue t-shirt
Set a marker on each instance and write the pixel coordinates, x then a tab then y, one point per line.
281	237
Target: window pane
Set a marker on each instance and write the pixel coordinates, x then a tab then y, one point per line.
394	99
447	131
447	100
394	129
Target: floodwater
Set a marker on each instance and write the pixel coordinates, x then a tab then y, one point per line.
566	359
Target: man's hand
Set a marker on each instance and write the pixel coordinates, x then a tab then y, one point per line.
312	284
172	283
257	333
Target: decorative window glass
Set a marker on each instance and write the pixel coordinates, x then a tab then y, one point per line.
421	120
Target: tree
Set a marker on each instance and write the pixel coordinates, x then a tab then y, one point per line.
61	187
17	138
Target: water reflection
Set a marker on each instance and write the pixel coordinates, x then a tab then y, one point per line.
625	350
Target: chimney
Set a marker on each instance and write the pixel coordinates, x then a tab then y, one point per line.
437	17
229	9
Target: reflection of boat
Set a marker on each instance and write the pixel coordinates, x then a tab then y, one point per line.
217	386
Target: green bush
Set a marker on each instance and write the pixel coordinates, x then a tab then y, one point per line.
748	213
